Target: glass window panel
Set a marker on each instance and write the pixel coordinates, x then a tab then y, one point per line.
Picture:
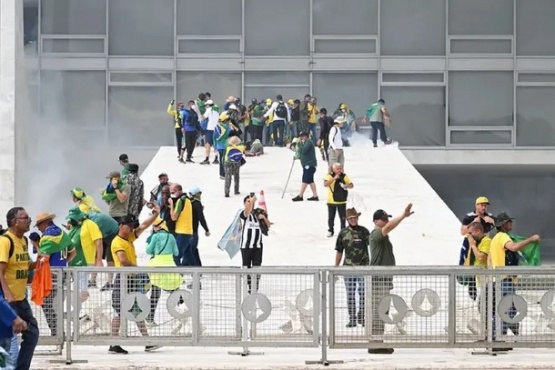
209	46
413	27
412	77
84	100
347	17
345	46
221	17
535	112
480	17
277	27
219	84
480	137
357	90
141	27
134	115
73	17
535	29
140	77
481	46
30	27
263	93
536	77
481	98
277	78
72	46
417	114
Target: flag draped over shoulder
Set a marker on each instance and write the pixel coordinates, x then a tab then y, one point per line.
373	108
231	240
54	240
530	255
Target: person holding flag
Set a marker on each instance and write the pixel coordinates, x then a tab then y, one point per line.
378	116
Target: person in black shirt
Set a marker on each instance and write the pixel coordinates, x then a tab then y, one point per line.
326	123
198	218
295	109
480	214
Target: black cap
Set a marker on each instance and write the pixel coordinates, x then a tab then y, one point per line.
303	133
133	168
123	157
380	214
128	220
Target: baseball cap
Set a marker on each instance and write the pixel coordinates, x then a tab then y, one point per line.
210	102
380	214
339	119
482	200
195	190
123	157
128	220
114	174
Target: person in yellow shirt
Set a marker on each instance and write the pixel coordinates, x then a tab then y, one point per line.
181	210
313	115
178	126
504	252
85	202
15	264
338	184
124	254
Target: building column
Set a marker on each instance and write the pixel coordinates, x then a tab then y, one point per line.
12	66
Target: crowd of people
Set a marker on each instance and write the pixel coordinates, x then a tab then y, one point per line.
90	237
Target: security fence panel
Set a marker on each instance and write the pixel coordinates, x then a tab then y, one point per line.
50	316
377	307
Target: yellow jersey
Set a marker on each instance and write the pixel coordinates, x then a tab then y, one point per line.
184	222
122	245
90	232
17	269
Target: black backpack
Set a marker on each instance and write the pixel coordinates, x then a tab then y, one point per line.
281	110
12	247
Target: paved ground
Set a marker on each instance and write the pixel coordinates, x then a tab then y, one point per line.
218	358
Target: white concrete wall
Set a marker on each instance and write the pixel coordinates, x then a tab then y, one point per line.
12	65
7	104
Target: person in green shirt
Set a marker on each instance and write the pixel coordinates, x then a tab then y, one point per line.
75	220
256	113
307	154
124	161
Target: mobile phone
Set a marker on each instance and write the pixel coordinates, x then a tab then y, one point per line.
252	194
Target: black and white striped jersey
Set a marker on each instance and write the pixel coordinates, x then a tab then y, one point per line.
251	235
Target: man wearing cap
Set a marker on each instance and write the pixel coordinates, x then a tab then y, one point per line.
338	185
212	117
198	218
56	245
280	116
83	201
177	124
378	115
136	191
504	252
335	151
124	161
190	121
256	112
86	237
182	213
354	241
381	252
306	153
156	192
124	255
116	195
15	264
480	214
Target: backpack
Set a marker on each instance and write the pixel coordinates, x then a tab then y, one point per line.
281	110
12	247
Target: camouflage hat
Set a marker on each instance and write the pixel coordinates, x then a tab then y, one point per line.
352	212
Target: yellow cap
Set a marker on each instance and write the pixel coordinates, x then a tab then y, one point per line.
223	117
482	200
268	101
159	222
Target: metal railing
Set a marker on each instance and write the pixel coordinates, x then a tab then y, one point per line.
359	307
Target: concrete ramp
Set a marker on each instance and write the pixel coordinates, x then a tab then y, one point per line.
383	178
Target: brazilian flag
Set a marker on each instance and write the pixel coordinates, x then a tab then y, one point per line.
530	255
54	240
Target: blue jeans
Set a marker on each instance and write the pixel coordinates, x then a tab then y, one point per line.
6	360
268	131
312	130
378	127
279	131
185	257
352	284
30	336
507	288
193	243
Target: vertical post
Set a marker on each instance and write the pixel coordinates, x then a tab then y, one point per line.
238	301
69	296
490	311
195	319
452	320
324	341
123	294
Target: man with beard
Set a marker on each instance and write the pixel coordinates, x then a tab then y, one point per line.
156	192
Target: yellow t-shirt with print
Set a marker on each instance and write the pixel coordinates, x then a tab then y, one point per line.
17	268
184	222
89	233
484	247
126	246
313	112
497	249
331	188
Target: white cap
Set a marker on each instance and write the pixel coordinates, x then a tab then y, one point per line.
339	119
210	102
232	106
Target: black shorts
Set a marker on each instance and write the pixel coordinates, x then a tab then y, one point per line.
107	248
308	174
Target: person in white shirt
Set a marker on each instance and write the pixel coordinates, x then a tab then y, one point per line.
335	150
281	115
212	117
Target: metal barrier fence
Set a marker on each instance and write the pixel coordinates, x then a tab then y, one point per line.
368	307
